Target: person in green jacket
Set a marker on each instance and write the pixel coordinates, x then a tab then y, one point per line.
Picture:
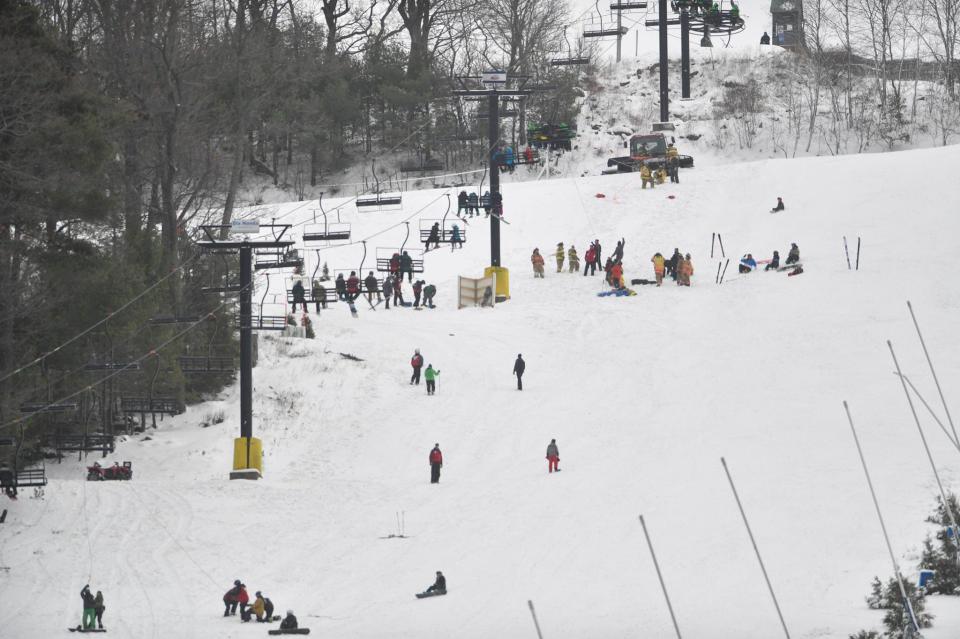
431	376
428	292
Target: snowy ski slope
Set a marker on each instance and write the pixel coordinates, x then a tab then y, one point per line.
643	394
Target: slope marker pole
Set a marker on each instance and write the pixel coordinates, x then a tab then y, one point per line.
929	409
755	549
663	586
926	447
883	526
846	251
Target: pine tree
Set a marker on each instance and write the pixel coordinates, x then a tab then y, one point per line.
942	558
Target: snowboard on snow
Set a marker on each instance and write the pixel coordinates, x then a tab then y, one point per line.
424	595
353	309
292	631
80	629
790	267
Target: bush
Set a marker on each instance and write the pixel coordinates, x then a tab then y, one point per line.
942	556
889	598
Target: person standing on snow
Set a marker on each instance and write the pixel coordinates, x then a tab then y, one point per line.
618	252
646	177
518	367
98	609
573	259
398	291
591	260
436	463
596	249
231	599
89	608
417	363
431	376
417	289
671	264
387	290
559	254
243	598
428	292
553	456
537	260
684	271
658	267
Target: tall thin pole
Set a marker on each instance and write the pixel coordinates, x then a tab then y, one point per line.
660	577
533	613
246	346
664	81
926	447
619	30
755	549
883	526
932	371
493	124
684	53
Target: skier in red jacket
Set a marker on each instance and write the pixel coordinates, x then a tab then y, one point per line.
417	363
353	286
243	598
590	260
436	461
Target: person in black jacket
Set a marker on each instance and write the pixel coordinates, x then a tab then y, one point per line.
765	38
299	296
373	287
462	202
289	622
267	609
596	248
89	607
794	255
433	238
774	262
618	252
406	266
440	585
779	206
671	264
518	367
341	285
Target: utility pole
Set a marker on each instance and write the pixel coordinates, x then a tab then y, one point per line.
684	51
247	450
664	79
619	31
493	85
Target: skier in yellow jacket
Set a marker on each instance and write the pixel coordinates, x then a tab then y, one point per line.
560	255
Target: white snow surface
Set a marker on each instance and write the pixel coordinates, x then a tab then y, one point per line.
644	395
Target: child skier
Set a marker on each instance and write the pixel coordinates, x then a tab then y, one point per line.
553	456
431	376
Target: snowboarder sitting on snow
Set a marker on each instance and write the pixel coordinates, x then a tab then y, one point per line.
747	263
440	585
793	256
289	622
779	206
774	262
89	607
231	599
537	260
573	259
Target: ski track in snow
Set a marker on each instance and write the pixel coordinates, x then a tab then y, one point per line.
644	394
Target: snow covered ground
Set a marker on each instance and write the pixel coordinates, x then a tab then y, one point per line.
643	394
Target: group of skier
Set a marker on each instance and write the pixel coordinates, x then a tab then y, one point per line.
435	459
678	267
261	608
350	288
470	204
748	264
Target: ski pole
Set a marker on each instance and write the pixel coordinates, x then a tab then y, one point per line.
846	251
719	264
858	252
724	270
720	239
713	239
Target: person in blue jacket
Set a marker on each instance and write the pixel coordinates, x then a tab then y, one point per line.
747	263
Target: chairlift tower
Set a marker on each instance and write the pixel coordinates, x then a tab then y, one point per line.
494	86
247	451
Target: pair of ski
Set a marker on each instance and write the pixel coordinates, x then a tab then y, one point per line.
82	629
